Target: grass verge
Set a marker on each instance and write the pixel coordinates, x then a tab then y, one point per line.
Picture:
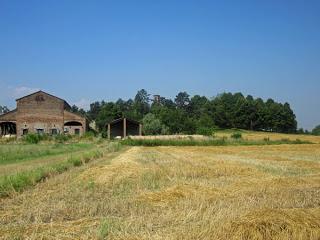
19	181
20	152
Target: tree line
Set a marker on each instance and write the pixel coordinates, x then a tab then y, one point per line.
196	114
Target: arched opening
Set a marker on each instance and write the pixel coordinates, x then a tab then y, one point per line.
8	128
73	127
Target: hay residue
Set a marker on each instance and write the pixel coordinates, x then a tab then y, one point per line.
123	166
174	193
276	224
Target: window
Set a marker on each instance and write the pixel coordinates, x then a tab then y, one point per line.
54	131
25	131
40	131
77	131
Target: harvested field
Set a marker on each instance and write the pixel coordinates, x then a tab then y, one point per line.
225	192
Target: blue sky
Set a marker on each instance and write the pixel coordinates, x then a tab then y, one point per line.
84	51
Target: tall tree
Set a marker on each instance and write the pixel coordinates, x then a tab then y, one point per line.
182	100
141	103
94	110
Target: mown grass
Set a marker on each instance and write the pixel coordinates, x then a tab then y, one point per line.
13	153
209	142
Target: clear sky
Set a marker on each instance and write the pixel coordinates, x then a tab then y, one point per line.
84	51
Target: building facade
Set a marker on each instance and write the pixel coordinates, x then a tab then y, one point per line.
42	113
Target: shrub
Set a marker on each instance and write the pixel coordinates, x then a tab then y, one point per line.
32	138
206	131
61	138
153	126
236	135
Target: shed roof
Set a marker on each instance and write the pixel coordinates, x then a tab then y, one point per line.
121	119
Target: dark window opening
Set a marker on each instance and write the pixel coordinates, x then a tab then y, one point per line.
24	131
77	131
54	131
40	131
8	128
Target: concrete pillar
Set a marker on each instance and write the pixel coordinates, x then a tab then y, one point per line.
109	131
140	129
124	127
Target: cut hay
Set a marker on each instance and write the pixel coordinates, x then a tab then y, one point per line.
279	224
174	193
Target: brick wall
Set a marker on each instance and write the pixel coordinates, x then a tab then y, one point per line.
39	111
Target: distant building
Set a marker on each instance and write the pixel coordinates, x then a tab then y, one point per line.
156	98
123	127
42	113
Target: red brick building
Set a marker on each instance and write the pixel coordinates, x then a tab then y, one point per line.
42	113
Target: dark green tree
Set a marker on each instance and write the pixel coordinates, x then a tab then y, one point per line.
182	100
141	104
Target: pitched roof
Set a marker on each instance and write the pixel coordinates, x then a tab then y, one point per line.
40	91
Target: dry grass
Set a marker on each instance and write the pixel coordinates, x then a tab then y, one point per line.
230	192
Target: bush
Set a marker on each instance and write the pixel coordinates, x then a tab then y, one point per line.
206	131
32	138
236	135
61	138
151	125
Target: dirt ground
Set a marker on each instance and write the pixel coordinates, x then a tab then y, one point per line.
228	192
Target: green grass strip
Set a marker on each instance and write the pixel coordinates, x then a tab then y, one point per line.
19	181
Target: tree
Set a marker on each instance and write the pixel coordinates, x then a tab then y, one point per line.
95	108
316	130
200	114
4	109
182	100
74	109
152	125
79	111
141	103
107	113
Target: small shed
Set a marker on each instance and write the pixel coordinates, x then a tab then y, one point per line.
123	127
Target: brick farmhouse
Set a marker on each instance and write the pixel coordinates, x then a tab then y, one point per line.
42	113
